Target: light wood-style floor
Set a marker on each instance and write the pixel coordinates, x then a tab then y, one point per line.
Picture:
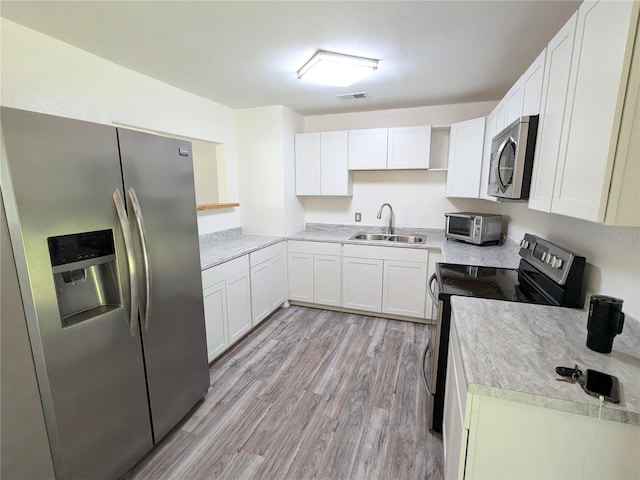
309	394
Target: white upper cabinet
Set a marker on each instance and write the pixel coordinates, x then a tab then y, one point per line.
408	148
554	96
321	163
524	97
532	86
598	80
491	129
335	178
514	102
307	147
368	149
501	114
465	158
400	148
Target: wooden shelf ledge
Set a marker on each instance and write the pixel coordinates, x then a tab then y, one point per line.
215	206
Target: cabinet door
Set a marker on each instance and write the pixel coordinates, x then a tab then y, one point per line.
454	435
238	305
514	102
276	282
260	304
300	269
408	148
501	115
215	316
599	70
362	284
554	96
326	279
307	146
368	149
404	288
335	178
490	132
465	158
532	86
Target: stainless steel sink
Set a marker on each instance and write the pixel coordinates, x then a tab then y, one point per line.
406	238
369	236
388	238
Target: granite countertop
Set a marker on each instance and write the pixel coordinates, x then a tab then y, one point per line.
220	247
510	350
504	256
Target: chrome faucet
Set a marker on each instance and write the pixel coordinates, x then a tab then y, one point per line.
390	227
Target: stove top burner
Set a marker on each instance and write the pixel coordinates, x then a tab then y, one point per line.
486	282
477	288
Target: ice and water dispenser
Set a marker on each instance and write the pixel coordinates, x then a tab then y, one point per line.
85	275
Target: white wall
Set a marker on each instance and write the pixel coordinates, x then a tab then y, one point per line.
266	170
42	74
417	197
612	253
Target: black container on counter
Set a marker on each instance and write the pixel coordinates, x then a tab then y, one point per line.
605	321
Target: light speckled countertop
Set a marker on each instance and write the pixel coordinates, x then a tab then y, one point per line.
504	256
220	247
510	350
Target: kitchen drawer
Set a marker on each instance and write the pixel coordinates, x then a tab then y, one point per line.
264	254
318	248
221	272
386	253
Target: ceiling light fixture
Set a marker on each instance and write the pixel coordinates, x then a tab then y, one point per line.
328	68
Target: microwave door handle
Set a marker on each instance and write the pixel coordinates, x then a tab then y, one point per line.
131	261
496	165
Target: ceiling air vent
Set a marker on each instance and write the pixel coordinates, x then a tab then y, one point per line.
352	96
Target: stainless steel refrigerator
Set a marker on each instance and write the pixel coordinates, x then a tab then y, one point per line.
103	226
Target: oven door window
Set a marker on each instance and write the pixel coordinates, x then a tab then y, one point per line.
504	164
460	226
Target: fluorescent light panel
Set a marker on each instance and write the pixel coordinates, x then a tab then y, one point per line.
328	68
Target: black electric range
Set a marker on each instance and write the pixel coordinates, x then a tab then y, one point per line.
548	274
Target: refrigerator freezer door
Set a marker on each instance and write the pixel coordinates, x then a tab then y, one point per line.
58	179
160	172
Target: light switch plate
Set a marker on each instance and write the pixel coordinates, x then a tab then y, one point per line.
358	217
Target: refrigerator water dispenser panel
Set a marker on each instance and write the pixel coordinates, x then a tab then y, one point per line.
85	275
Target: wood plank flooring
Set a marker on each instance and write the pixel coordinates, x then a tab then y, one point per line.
309	394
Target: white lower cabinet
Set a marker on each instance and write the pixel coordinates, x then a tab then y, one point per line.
327	272
227	300
314	272
238	305
267	281
300	269
362	283
385	279
215	314
404	287
490	437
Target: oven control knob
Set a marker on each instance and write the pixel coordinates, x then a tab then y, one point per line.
524	244
545	257
549	259
556	262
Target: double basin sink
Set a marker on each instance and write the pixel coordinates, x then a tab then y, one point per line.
381	237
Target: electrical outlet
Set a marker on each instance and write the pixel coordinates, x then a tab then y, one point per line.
358	217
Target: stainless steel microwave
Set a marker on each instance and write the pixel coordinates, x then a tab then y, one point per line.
512	153
476	228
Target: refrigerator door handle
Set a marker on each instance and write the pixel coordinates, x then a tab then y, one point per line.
131	261
145	256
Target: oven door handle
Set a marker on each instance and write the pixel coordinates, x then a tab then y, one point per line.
430	288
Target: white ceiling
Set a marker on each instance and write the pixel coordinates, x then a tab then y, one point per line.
246	54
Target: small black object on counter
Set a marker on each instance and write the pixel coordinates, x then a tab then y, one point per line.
605	321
